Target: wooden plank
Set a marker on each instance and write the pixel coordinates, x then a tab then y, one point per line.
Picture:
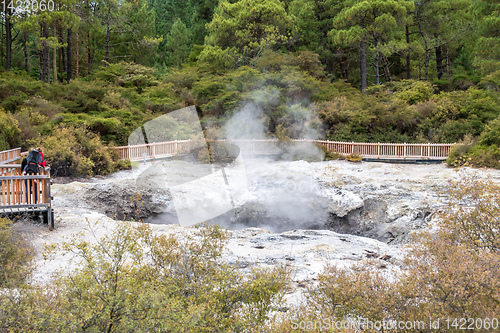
3	191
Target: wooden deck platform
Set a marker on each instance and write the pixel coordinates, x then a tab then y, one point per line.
23	194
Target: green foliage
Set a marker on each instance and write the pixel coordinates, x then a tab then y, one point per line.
75	151
331	154
416	92
9	131
177	45
492	81
217	57
247	28
135	280
127	75
16	256
458	153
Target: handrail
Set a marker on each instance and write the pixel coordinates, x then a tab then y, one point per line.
15	170
380	150
11	155
24	193
25	190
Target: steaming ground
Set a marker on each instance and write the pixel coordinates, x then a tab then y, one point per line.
358	212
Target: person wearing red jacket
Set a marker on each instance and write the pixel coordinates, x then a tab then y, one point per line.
43	157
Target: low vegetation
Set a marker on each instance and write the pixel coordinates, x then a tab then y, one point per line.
135	281
16	256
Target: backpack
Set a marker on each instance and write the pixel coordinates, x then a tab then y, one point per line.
33	161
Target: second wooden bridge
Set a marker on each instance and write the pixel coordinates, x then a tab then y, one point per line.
367	150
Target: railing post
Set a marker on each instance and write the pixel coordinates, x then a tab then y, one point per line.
404	151
428	150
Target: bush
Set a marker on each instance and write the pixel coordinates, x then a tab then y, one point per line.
416	92
354	157
132	280
128	75
458	153
9	131
75	151
331	154
16	256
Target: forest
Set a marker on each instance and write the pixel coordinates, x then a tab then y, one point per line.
354	70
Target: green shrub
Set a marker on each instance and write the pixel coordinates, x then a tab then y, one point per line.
492	81
458	155
354	157
491	134
485	156
75	151
417	92
331	154
133	280
128	75
16	256
9	131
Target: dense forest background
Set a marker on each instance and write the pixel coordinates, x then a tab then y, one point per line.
353	70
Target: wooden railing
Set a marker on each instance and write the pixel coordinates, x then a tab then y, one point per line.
390	150
10	156
153	150
24	193
24	190
430	151
15	170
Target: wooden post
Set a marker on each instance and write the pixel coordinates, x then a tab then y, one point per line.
50	221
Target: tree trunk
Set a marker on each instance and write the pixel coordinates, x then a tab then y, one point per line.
439	62
8	41
45	53
408	66
63	51
427	58
88	53
54	61
342	67
108	23
77	53
40	65
387	72
26	59
362	49
377	73
68	58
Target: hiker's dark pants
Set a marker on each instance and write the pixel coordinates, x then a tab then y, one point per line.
32	186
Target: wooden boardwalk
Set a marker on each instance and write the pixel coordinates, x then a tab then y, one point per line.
24	194
367	150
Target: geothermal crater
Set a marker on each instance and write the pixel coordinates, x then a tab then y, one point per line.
380	201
